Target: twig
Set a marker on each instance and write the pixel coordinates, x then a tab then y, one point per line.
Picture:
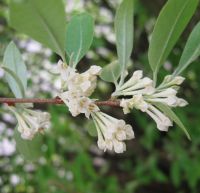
13	101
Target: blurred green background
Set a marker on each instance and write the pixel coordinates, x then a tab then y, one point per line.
70	161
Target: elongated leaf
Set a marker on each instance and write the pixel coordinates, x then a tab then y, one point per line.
30	150
170	24
191	51
124	33
43	20
80	32
111	72
173	117
16	74
19	88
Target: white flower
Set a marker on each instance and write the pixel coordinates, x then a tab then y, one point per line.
167	91
112	132
181	102
138	87
144	96
84	83
135	85
169	80
61	69
136	101
94	70
43	118
80	87
168	97
66	73
78	104
30	122
162	121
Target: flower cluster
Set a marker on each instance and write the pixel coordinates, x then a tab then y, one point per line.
112	132
30	122
144	96
77	88
135	85
78	104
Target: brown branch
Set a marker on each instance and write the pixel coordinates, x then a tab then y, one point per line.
13	101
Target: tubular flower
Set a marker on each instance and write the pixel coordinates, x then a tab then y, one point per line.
84	83
167	91
138	102
64	70
135	85
170	81
30	122
168	97
162	121
112	132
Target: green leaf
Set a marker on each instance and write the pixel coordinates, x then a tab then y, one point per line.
191	51
30	150
16	74
124	33
111	72
173	117
80	32
19	88
43	20
170	24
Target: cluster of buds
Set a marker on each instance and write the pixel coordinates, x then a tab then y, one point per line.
144	96
30	122
135	85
